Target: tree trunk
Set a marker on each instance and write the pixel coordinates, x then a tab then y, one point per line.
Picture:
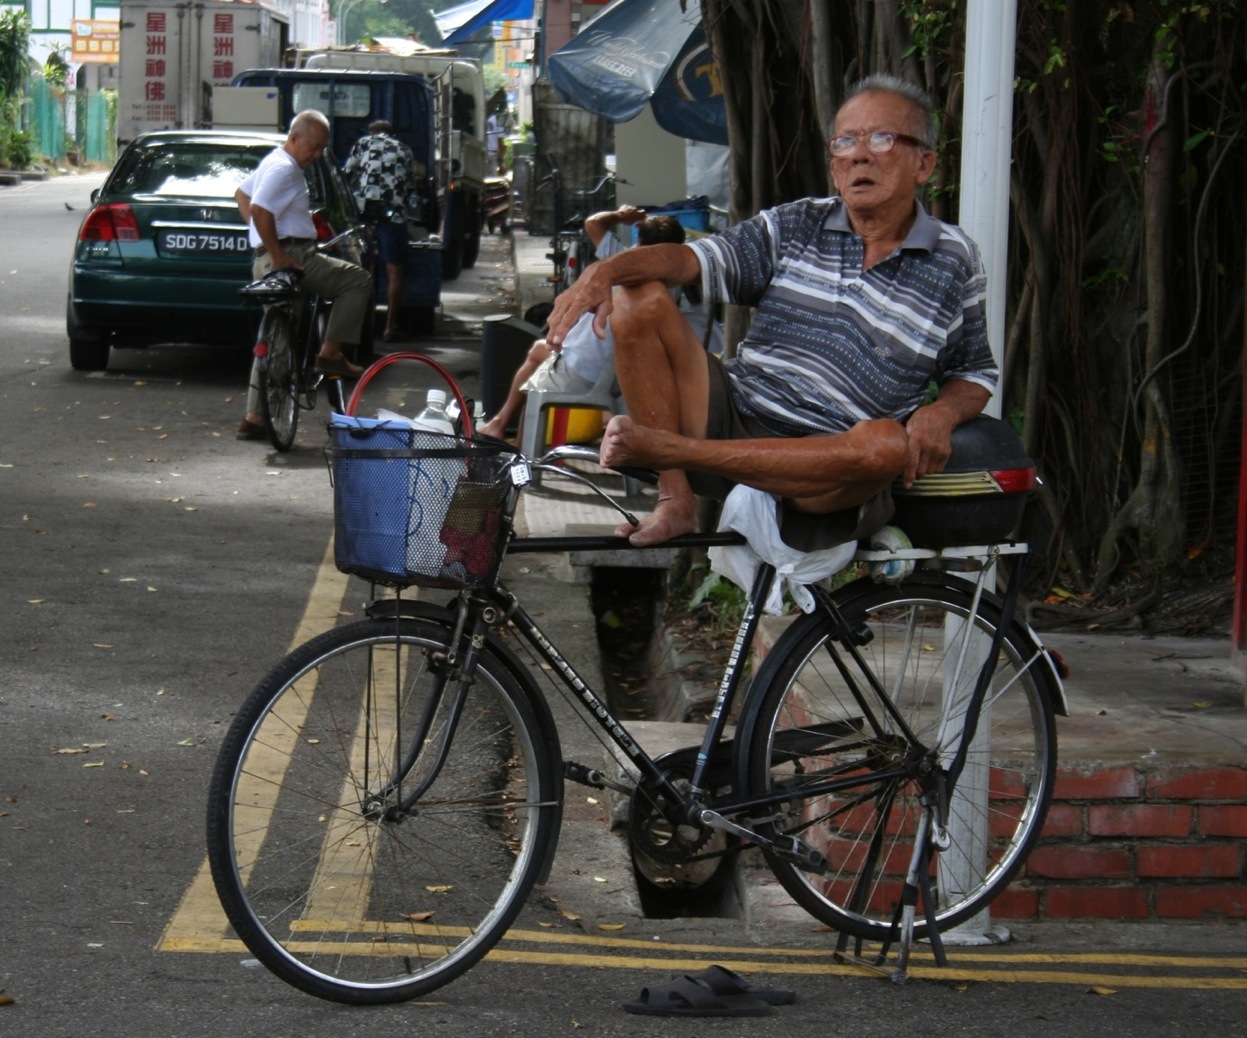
1153	509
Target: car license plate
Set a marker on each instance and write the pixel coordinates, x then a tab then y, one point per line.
195	242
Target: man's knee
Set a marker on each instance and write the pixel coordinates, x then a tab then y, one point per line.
641	306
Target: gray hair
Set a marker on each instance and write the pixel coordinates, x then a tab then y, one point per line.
882	83
301	122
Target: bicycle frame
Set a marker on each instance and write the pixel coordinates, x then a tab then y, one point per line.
479	611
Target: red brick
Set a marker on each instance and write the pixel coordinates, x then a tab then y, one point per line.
1103	784
1223	821
1066	862
1198	784
1005	784
1063	820
1201	902
1016	903
1139	820
1095	903
1206	861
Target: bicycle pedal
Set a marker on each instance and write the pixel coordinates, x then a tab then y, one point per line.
801	854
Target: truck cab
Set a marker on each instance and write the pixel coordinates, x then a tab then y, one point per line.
454	123
351	100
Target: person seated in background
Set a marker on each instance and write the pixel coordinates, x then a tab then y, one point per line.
584	356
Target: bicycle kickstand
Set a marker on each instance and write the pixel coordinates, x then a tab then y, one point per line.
917	884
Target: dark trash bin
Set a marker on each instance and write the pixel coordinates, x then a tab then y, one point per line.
505	342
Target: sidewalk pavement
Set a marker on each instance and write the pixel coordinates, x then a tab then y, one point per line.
1149	814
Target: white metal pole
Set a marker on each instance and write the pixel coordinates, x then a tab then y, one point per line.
986	147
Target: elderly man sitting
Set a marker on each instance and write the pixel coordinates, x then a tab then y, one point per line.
861	301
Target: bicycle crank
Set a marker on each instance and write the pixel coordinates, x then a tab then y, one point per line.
790	848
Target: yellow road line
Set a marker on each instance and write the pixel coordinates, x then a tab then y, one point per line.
199	912
656	962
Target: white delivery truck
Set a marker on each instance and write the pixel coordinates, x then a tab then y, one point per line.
173	56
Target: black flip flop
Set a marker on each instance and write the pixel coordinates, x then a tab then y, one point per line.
726	983
686	996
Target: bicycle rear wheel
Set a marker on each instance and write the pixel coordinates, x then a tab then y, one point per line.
279	379
370	837
818	720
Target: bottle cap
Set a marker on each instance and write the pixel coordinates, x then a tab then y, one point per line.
437	398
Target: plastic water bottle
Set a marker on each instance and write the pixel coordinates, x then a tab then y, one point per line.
431	483
434	417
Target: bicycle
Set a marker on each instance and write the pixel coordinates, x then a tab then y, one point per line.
289	338
570	248
388	795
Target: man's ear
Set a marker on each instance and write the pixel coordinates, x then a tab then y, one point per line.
926	166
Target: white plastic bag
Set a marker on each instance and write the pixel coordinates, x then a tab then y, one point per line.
753	513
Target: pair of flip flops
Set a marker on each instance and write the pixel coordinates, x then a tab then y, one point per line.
715	991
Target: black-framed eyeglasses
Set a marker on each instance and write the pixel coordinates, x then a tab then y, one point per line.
876	143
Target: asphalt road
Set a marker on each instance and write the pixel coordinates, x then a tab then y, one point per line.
154	568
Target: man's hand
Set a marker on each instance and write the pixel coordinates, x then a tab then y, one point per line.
930	432
930	428
630	214
590	292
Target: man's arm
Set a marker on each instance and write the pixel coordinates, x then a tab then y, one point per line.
591	292
600	224
930	428
244	204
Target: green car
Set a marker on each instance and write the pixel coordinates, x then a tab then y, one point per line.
163	251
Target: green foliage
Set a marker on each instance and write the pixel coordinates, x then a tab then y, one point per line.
14	44
17	147
715	604
931	24
56	69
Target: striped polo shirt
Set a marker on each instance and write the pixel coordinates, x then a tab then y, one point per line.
832	344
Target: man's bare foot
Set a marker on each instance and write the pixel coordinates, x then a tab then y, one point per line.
626	443
496	427
668	519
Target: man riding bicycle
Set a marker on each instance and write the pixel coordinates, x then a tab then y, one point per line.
274	202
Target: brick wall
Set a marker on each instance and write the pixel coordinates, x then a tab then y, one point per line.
1129	843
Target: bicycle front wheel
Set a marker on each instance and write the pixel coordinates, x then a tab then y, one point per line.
279	379
373	828
860	747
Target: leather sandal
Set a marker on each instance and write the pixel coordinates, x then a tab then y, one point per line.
337	366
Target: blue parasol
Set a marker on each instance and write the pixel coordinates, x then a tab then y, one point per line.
639	52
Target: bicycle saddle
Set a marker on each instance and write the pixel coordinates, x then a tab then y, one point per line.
276	284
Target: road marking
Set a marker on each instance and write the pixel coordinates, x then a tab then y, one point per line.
199	924
199	916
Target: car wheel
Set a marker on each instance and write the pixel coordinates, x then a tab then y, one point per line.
88	347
